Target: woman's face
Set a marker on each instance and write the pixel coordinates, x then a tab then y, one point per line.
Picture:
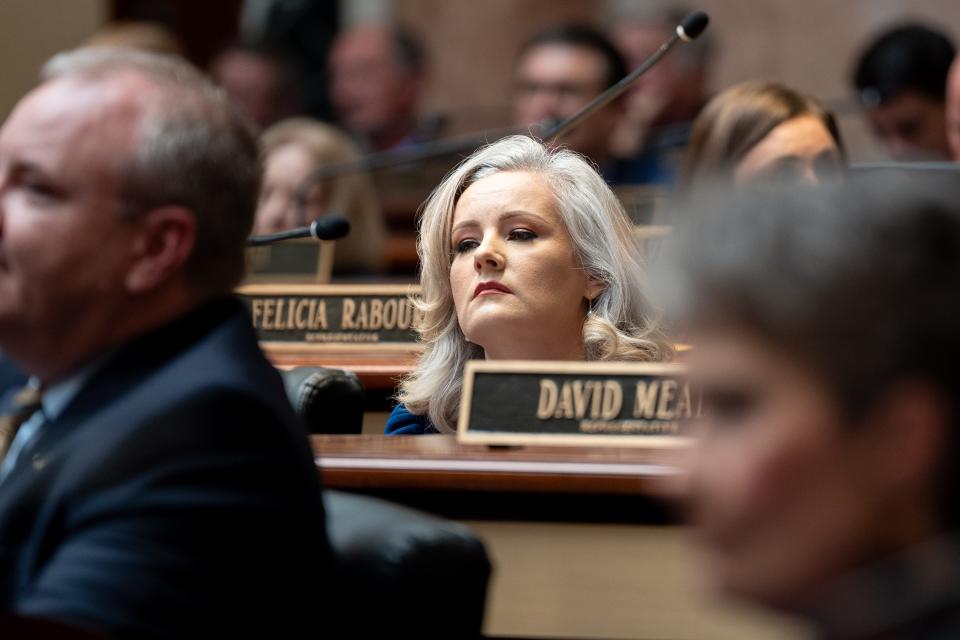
800	149
517	285
284	171
783	494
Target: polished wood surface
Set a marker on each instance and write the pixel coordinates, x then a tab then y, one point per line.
440	462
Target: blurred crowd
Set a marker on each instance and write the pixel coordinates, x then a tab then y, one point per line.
669	128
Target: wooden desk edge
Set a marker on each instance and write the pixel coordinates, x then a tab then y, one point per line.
426	463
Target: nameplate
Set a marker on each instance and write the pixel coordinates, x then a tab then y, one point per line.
354	317
576	403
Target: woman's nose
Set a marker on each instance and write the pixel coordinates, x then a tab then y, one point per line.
489	255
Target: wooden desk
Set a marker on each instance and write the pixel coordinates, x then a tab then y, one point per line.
438	474
582	542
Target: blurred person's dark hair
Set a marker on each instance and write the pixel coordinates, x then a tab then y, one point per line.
738	119
858	282
577	35
910	57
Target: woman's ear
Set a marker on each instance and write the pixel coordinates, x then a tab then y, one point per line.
595	286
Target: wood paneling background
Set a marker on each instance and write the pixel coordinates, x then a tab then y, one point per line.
33	31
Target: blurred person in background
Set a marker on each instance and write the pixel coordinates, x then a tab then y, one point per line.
291	151
823	476
758	131
953	109
378	75
259	80
662	104
900	79
559	71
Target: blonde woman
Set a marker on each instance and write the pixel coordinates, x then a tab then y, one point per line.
291	150
525	254
761	131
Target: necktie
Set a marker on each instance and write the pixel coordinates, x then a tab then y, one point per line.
24	404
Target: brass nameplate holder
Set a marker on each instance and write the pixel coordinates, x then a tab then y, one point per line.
304	318
575	403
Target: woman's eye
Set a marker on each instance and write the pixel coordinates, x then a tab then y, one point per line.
522	234
465	245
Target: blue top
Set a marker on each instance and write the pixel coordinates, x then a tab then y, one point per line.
657	162
403	423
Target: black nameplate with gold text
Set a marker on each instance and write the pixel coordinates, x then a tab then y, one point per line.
577	403
333	316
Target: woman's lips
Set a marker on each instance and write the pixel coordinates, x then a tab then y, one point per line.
490	287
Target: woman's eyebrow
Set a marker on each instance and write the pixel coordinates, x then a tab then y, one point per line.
506	215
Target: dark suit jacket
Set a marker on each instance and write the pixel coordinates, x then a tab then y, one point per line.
175	496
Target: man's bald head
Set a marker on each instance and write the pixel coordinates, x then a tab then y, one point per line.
129	184
193	149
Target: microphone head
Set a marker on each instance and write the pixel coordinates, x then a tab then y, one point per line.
693	25
330	227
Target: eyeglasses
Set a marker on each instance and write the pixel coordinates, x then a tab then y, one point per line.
561	90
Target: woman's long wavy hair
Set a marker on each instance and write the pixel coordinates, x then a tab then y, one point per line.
619	324
738	119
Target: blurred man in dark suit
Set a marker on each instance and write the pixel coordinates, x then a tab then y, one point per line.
154	481
663	103
558	72
377	79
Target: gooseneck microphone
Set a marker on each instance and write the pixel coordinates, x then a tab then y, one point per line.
688	30
329	227
399	157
